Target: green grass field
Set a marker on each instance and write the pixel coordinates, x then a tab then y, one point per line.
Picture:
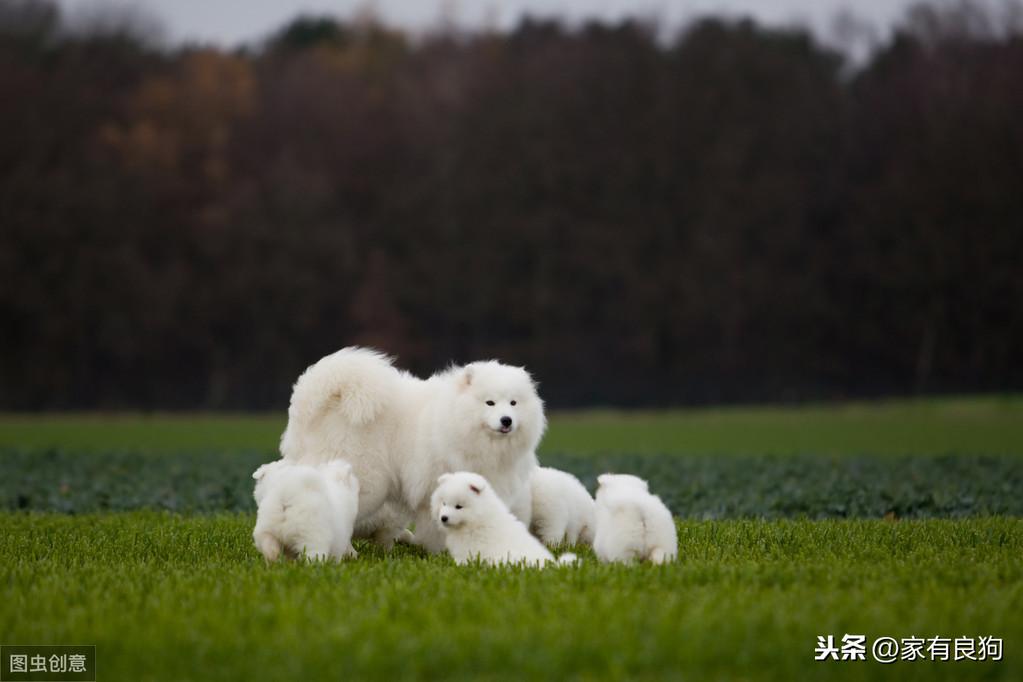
989	425
171	597
892	519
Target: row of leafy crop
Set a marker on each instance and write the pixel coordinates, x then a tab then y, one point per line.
693	487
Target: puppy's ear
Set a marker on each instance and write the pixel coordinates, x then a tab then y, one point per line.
604	479
443	477
477	488
262	471
467	376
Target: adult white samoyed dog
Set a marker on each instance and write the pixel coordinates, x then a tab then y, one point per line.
400	433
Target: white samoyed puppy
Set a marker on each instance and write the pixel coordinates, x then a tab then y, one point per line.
400	433
631	523
305	510
563	510
479	526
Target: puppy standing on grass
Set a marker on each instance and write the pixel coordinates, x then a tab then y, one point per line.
563	510
479	526
305	510
631	523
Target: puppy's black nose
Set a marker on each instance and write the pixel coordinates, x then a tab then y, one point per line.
443	519
505	421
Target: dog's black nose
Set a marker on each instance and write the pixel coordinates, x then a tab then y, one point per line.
505	421
443	519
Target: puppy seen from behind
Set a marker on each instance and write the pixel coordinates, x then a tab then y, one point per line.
305	511
632	524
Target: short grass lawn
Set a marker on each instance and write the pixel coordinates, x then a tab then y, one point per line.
168	597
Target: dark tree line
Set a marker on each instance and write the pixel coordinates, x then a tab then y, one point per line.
732	216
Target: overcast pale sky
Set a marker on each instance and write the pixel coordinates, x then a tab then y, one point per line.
229	22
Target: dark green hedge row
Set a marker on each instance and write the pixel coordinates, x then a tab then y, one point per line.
694	487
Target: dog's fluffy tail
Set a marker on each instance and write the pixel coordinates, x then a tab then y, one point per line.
356	383
567	558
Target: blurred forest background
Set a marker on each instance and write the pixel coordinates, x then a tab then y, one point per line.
734	213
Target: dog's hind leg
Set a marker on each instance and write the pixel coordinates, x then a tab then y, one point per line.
386	537
268	545
553	532
572	532
316	549
347	552
658	555
315	543
385	526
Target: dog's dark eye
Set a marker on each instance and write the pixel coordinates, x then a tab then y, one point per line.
513	403
458	506
490	402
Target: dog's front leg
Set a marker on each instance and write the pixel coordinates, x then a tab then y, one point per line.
521	503
427	534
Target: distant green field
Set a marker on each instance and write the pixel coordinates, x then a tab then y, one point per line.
988	425
176	598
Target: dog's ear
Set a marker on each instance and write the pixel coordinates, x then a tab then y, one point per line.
262	471
477	487
443	477
529	377
604	479
467	376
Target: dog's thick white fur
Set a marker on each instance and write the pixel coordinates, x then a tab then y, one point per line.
563	510
479	527
400	433
632	524
305	511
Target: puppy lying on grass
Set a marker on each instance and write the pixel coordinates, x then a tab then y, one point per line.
631	523
305	510
478	525
563	510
